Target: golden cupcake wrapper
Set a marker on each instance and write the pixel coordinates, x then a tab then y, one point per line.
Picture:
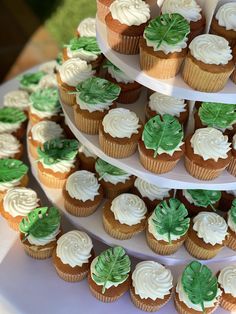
114	233
50	181
232	167
233	76
40	253
67	99
86	125
102	11
200	252
70	277
80	211
227	305
231	243
129	97
103	298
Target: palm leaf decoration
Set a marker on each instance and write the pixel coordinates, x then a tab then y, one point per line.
233	211
217	115
56	150
108	64
167	28
171	218
199	283
12	115
40	222
162	132
46	99
31	78
12	169
102	168
113	265
86	43
205	198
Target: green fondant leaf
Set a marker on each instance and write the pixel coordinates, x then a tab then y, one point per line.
12	115
199	283
59	58
102	168
205	198
56	150
167	28
233	211
113	265
162	133
31	78
12	169
108	65
85	43
46	99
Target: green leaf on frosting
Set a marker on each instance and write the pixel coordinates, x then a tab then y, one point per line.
12	115
205	198
217	115
56	150
102	168
85	43
108	64
232	211
31	78
162	133
12	169
113	265
199	283
40	222
46	99
170	217
95	90
167	28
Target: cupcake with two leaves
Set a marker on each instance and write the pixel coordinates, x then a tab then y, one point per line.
207	153
124	216
57	160
227	283
130	90
226	200
87	159
73	255
87	27
13	121
162	144
94	98
207	235
17	99
231	243
114	181
125	25
197	290
29	81
103	9
232	165
151	286
167	227
120	132
164	45
39	232
82	193
10	146
109	276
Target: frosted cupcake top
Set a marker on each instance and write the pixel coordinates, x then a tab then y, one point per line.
227	280
84	48
210	143
116	73
211	49
226	16
87	27
48	81
84	150
232	217
11	119
29	81
203	198
210	227
189	9
9	145
44	131
16	98
151	191
130	12
49	67
151	280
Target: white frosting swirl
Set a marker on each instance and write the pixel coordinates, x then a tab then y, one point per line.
45	240
82	54
119	75
128	209
48	67
61	166
94	107
82	185
231	224
74	71
4	186
6	127
211	49
210	227
226	16
74	248
130	12
44	131
152	280
210	143
116	179
234	142
20	201
48	81
87	27
121	123
189	9
44	114
227	279
87	153
9	145
162	104
17	98
151	191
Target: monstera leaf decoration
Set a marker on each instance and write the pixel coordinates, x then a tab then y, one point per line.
12	169
205	198
102	167
85	43
12	115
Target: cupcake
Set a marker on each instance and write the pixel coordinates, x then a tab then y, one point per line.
164	46
130	90
125	25
119	133
114	181
167	227
151	286
232	165
224	22
57	160
232	226
226	200
162	144
13	121
42	132
29	81
73	255
109	276
94	98
17	203
227	282
87	159
207	153
197	290
17	99
124	216
48	81
207	235
199	200
209	63
87	28
151	194
10	146
103	9
82	193
49	67
233	75
70	74
39	232
162	104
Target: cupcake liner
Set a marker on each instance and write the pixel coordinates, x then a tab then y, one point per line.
51	181
129	97
227	305
87	163
38	252
233	76
77	211
199	252
70	277
231	243
102	11
32	150
86	125
66	98
114	233
232	167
